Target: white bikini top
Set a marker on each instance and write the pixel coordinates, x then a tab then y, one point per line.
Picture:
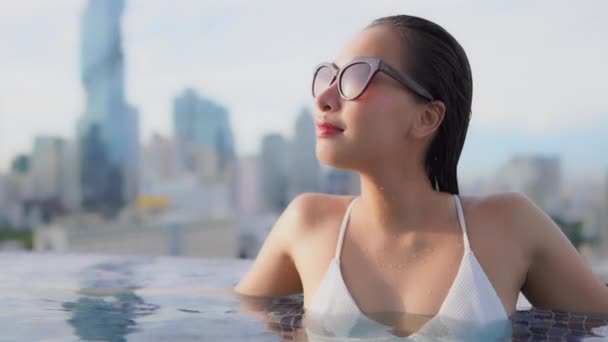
471	306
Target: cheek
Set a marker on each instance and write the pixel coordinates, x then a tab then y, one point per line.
382	126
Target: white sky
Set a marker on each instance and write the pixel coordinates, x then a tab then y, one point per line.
537	66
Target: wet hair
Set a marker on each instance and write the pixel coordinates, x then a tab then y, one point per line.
433	58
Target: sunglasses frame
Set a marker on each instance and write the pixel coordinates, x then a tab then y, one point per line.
376	65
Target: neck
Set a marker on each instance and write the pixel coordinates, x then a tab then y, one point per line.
395	200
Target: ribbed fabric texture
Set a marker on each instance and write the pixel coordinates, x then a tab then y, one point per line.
471	301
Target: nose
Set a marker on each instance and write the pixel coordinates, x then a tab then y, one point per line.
329	100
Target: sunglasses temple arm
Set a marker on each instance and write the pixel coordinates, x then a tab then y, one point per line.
406	81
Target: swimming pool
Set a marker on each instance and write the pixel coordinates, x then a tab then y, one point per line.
75	297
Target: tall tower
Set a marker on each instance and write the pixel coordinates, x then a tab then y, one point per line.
108	130
202	130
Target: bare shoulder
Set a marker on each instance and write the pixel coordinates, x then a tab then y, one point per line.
503	203
554	275
511	210
276	268
509	217
505	230
312	211
307	216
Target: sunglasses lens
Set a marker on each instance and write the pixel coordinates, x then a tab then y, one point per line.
322	80
354	78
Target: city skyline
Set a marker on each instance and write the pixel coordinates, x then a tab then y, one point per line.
516	79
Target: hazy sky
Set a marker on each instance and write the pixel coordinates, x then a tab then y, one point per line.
539	68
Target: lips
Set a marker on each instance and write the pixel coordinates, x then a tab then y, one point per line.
325	129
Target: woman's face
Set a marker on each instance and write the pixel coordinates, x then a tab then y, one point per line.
377	125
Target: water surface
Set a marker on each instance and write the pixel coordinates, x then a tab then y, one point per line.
75	297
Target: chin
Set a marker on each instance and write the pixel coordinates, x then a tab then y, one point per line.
331	155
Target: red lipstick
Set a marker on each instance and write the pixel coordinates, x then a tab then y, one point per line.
325	129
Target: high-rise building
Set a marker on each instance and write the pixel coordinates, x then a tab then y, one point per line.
304	171
168	191
107	132
18	182
47	162
52	179
159	160
539	177
133	158
21	164
606	193
69	192
3	201
202	130
18	190
206	163
249	182
275	162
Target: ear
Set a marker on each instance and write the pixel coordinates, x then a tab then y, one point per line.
429	119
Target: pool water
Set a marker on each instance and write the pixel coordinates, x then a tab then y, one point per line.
74	297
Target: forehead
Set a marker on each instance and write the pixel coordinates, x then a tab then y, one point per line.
378	41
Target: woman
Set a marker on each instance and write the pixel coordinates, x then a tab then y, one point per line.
395	107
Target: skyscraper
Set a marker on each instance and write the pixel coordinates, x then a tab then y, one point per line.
159	160
606	192
47	161
18	190
275	162
203	131
107	131
305	171
69	192
21	164
249	171
3	201
133	156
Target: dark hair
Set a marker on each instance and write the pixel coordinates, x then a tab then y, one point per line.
437	61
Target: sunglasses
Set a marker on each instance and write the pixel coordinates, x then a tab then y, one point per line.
355	76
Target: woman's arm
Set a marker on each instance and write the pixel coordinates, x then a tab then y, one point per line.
274	272
558	277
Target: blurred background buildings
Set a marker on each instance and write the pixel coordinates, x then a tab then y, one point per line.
114	185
